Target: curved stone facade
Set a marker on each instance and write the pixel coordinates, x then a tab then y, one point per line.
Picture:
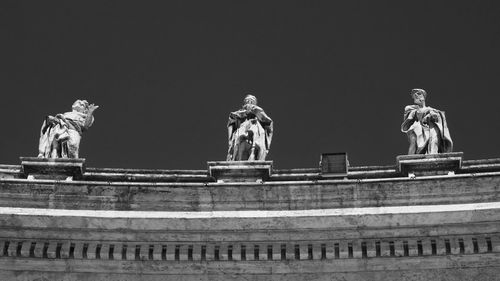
377	223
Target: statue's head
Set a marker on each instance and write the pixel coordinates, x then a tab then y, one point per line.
250	99
419	96
81	106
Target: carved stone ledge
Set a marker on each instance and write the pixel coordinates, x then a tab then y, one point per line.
430	164
168	251
240	171
58	168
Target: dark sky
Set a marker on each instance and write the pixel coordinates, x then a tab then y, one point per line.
334	76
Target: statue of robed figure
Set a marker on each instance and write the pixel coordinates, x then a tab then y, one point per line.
250	131
426	127
60	135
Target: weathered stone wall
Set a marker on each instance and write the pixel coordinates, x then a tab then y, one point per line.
469	268
354	244
290	195
375	224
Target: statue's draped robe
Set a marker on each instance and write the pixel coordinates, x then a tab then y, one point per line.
414	125
56	131
236	118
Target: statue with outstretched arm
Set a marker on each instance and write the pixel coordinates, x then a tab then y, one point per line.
60	135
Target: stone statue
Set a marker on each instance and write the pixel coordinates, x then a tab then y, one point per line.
60	135
250	132
426	127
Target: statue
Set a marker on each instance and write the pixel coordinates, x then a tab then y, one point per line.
426	127
250	132
60	135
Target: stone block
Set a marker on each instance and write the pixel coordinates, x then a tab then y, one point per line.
197	252
170	254
222	252
58	168
430	164
263	252
144	252
468	245
290	251
51	250
440	246
253	251
38	251
426	247
91	251
183	252
385	250
237	252
398	248
130	254
483	247
12	249
343	250
371	252
316	251
304	251
157	250
455	246
330	251
210	252
118	251
495	242
2	245
104	253
412	248
25	249
240	171
356	249
277	251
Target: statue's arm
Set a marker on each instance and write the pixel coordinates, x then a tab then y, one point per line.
409	118
230	126
51	119
410	112
229	132
434	115
264	117
89	119
261	115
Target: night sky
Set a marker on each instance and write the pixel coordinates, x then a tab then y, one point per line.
333	75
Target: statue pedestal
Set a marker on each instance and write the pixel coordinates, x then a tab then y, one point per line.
240	171
57	168
430	164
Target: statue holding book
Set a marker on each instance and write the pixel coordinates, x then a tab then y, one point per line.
250	131
425	126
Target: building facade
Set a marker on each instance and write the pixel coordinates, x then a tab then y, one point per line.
424	218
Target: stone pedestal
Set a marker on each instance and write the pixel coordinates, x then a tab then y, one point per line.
59	169
240	171
430	164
